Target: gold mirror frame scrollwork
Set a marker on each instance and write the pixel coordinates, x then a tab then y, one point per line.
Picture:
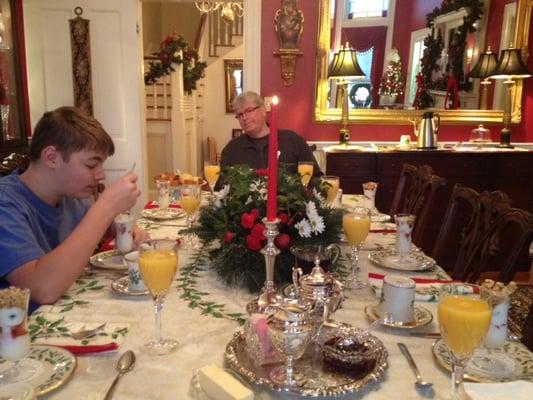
323	114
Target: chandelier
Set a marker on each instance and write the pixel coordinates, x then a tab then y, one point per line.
228	12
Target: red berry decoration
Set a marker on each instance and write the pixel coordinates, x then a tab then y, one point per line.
283	241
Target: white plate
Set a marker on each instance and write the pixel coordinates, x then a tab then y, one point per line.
379	217
57	365
158	214
17	391
415	261
110	259
121	285
422	317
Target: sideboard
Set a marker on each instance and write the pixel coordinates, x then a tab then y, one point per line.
511	172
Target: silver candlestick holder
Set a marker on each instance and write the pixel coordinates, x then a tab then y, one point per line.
269	298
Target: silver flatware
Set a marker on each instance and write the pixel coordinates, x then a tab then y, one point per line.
419	383
125	364
87	333
428	335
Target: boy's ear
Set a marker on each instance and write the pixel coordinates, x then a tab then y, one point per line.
50	156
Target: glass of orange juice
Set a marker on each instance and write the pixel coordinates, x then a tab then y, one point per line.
332	185
211	173
158	262
305	169
189	196
464	320
356	225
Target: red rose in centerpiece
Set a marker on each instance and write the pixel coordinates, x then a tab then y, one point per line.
228	237
253	243
283	241
248	220
258	231
283	218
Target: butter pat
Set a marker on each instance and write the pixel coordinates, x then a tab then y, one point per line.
220	385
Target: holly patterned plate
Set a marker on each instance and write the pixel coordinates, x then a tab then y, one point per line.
122	286
110	259
414	261
56	367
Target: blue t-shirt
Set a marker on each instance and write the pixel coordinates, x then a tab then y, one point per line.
30	228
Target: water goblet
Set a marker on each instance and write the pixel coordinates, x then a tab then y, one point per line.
356	225
189	197
332	187
15	338
305	170
211	173
158	262
464	320
404	227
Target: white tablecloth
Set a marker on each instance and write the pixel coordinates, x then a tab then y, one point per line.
203	339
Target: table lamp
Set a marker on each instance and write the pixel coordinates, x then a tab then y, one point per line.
484	69
510	67
344	67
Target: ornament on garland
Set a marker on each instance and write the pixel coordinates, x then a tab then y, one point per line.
392	82
193	68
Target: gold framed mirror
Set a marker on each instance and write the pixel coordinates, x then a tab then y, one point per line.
233	79
324	113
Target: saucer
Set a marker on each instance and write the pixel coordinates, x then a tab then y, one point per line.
422	317
513	351
121	285
159	214
414	261
379	217
110	259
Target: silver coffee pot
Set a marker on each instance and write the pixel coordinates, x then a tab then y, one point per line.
427	131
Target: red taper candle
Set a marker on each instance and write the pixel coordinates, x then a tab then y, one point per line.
272	176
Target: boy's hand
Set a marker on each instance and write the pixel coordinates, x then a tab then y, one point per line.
122	194
139	236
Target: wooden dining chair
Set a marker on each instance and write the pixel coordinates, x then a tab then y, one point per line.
12	162
527	331
482	232
415	193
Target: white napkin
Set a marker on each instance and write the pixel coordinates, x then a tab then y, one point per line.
517	390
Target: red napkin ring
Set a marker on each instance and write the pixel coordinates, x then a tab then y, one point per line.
91	349
153	204
384	231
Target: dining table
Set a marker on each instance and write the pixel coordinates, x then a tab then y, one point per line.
203	314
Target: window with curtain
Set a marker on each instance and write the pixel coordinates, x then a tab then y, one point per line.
367	8
360	91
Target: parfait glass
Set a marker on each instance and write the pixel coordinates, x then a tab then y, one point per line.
404	243
211	173
332	187
158	263
464	319
189	196
163	194
15	338
356	225
305	170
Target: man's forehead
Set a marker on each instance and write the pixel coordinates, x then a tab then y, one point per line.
246	104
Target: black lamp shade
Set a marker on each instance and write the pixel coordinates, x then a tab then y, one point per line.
510	65
485	66
345	65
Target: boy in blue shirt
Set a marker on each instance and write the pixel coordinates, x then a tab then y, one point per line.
48	229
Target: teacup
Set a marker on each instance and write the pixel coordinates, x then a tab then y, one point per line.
135	281
398	298
405	141
124	233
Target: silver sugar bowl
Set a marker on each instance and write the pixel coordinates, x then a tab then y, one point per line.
289	330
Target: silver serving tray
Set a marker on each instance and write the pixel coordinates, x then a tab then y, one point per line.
319	382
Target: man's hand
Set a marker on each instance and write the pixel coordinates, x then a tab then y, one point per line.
139	236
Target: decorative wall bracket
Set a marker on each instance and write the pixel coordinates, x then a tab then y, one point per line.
288	23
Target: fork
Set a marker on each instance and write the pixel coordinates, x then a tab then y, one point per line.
86	333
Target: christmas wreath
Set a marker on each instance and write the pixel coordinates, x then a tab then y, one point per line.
231	226
193	68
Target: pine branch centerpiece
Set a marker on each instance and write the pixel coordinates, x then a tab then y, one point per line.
231	224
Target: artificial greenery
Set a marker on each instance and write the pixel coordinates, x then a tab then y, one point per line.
231	225
168	55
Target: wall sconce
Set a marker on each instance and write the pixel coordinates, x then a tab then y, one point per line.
510	67
483	70
344	67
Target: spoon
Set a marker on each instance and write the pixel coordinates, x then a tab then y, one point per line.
125	363
420	383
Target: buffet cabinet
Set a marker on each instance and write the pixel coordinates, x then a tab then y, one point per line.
511	172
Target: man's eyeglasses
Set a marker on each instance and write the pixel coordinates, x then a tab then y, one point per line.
246	112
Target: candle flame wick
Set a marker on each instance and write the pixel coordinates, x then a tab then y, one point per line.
275	100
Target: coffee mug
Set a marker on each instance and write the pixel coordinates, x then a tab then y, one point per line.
398	298
136	282
124	233
405	141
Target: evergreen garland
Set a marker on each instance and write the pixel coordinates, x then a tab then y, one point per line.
193	68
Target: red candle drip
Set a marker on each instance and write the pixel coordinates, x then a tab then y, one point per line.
272	176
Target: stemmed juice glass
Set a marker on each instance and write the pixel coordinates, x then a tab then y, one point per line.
464	320
332	188
15	338
163	194
211	173
356	225
158	262
189	197
305	170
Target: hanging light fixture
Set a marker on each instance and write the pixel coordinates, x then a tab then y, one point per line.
230	9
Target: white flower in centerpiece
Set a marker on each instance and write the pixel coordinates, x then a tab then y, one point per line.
311	211
304	228
317	224
259	187
318	196
221	196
